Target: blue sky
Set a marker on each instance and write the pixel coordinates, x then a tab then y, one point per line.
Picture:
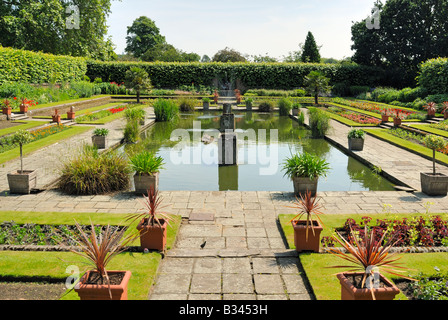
253	27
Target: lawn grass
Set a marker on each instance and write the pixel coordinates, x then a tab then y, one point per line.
323	280
429	128
54	264
24	125
41	143
407	145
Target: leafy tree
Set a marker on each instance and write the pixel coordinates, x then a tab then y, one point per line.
411	31
41	25
143	35
317	84
137	79
310	51
261	59
228	55
168	53
205	58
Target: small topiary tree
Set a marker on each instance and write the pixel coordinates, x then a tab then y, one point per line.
137	79
317	84
21	137
435	143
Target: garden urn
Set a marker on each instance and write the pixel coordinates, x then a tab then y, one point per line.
88	291
434	184
206	105
386	291
22	182
7	111
23	108
295	112
99	141
152	237
397	122
307	238
145	181
384	118
71	114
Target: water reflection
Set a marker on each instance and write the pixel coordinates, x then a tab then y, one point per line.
193	165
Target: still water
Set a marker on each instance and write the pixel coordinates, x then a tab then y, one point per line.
264	142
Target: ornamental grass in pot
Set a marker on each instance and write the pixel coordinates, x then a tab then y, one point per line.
304	170
22	181
153	223
100	283
307	231
434	184
147	166
356	139
369	259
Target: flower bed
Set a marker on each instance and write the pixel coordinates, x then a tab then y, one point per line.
12	233
356	117
6	143
88	117
431	231
412	137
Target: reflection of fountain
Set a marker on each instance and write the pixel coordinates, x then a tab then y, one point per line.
227	142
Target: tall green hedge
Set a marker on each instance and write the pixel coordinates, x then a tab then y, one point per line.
433	76
35	67
251	75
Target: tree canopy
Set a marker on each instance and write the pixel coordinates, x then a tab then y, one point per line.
310	51
47	26
410	32
228	55
143	35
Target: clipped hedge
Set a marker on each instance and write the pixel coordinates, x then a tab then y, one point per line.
36	67
433	76
250	75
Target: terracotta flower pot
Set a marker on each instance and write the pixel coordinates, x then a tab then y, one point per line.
445	115
101	292
301	242
56	118
384	118
70	115
7	111
388	291
23	108
152	237
397	122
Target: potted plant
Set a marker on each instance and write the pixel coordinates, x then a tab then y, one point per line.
356	139
238	96
369	257
215	96
445	110
398	117
99	138
206	103
152	224
304	240
100	283
23	181
434	184
249	103
56	117
7	107
71	114
385	115
431	108
304	170
25	104
295	109
146	166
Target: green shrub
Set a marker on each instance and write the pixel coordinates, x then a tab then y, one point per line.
266	106
85	89
187	104
92	173
357	90
319	122
437	98
131	131
102	132
165	109
433	76
146	162
36	67
356	134
305	165
285	106
301	118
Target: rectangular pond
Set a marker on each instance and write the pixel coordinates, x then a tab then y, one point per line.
189	147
